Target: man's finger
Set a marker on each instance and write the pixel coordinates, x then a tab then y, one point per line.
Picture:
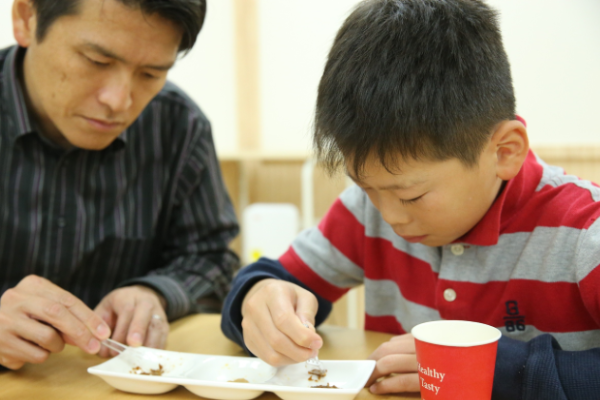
58	308
158	330
40	334
20	351
140	322
124	317
62	319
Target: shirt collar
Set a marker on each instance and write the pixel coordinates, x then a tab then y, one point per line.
513	197
14	98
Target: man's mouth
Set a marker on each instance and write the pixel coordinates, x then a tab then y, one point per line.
102	124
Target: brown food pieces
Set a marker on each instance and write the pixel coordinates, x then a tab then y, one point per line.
316	375
328	386
156	372
239	380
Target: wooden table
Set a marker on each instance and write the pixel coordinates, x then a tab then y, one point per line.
64	376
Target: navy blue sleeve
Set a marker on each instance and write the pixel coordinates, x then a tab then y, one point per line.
231	322
540	370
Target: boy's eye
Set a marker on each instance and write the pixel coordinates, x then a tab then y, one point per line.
410	201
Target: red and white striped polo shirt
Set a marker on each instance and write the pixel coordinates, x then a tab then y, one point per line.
528	267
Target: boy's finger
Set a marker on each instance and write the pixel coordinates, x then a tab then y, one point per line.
270	345
395	363
293	327
397	384
306	308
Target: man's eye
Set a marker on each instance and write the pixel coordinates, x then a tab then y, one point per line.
98	63
150	76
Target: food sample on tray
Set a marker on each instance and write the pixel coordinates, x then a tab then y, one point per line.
316	374
155	372
328	386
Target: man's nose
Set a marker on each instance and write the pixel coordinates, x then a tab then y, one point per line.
117	94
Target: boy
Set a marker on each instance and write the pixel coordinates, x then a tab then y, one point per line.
451	217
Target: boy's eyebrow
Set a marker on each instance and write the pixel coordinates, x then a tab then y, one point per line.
394	186
109	54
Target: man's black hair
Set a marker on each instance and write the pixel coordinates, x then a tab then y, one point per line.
413	79
187	14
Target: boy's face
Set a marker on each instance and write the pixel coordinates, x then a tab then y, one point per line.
95	71
431	202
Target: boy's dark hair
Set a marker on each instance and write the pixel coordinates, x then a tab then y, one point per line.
421	79
187	14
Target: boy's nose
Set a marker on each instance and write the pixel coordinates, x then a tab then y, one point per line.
393	212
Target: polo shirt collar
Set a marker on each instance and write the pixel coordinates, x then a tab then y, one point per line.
513	197
14	99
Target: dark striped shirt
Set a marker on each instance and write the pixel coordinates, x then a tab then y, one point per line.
149	209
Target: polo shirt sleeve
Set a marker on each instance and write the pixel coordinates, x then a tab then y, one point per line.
231	322
329	258
540	369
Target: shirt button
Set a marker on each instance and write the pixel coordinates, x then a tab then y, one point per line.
449	294
457	249
61	222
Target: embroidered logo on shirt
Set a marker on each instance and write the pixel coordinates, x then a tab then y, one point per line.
513	321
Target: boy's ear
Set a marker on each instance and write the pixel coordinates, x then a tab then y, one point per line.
511	147
24	22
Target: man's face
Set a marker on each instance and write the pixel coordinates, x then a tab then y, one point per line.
431	202
94	72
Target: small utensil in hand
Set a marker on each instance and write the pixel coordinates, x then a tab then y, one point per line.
142	361
314	366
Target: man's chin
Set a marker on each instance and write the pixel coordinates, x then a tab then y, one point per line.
91	142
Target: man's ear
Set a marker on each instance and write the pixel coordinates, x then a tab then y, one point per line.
511	146
24	22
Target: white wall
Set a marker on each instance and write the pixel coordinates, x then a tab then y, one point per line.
553	46
554	49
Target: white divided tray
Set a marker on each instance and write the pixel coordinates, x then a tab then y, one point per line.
213	377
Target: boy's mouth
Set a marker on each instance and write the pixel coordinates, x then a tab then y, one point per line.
414	239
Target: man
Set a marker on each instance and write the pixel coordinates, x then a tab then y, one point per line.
110	190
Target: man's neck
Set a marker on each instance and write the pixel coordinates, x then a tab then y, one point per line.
46	130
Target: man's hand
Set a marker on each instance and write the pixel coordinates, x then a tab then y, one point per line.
37	318
274	314
397	365
136	314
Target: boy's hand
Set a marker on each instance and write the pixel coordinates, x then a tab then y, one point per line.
397	365
273	315
37	318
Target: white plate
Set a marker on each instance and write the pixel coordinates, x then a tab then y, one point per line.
213	377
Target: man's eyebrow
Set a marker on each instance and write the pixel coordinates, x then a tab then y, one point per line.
387	187
109	54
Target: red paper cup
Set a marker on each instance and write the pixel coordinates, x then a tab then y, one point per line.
456	359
